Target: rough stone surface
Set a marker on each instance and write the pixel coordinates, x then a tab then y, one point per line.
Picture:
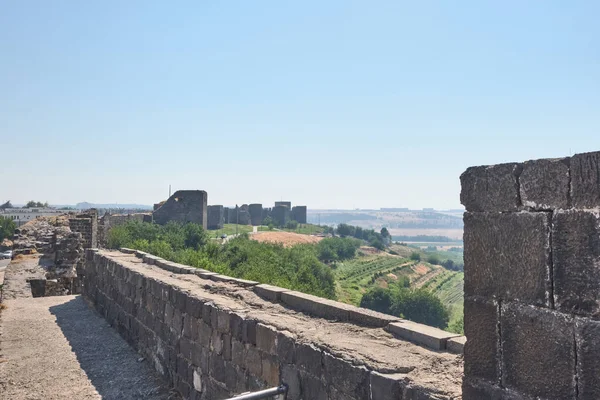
531	339
387	386
588	359
544	184
184	206
576	261
456	345
481	351
240	342
421	334
490	188
508	256
585	180
216	217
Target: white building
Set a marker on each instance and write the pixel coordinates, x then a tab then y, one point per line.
23	215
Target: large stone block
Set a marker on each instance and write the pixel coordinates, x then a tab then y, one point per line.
266	339
481	351
585	180
312	387
353	380
588	359
576	260
317	306
544	184
508	256
425	335
387	386
490	188
538	357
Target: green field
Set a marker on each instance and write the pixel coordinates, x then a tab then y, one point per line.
356	276
229	229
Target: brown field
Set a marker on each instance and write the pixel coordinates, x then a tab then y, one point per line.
287	239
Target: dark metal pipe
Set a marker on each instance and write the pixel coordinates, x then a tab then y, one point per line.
263	394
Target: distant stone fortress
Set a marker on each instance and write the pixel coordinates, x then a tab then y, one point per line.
192	206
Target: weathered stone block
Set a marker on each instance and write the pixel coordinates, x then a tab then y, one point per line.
480	390
286	347
269	292
223	318
386	386
545	184
249	331
226	346
456	345
309	358
537	351
425	335
481	352
366	317
508	256
266	338
291	376
576	260
588	359
316	305
585	180
490	188
270	369
312	387
253	362
238	352
216	342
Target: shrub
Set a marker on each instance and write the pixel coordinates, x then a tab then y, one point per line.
415	256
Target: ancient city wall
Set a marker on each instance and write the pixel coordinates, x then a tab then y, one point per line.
184	206
86	224
213	336
216	217
532	279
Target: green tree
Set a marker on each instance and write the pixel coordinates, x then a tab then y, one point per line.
291	225
32	204
458	325
7	228
378	299
433	259
422	306
345	230
6	205
415	256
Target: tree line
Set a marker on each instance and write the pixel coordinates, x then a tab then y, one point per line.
301	267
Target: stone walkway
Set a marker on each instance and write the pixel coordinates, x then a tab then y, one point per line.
59	348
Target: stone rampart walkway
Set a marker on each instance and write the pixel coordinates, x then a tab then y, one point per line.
59	348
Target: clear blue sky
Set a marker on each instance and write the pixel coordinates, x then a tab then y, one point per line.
332	104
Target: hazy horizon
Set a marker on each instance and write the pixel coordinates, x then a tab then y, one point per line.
335	105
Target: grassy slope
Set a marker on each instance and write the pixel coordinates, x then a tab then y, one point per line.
229	229
305	229
354	277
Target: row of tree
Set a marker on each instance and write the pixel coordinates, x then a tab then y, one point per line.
378	240
30	204
419	305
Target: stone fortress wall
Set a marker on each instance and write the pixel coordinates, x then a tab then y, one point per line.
212	336
532	279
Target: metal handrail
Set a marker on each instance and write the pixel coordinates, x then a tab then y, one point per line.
279	392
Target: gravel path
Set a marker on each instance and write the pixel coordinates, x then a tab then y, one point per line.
59	348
